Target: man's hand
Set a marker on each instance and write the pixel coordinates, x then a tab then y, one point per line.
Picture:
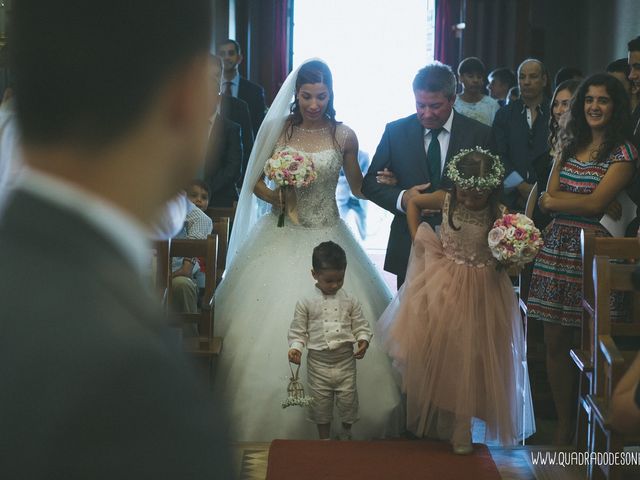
386	177
362	349
412	192
185	270
295	356
614	210
544	202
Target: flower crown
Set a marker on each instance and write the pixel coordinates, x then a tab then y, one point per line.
491	181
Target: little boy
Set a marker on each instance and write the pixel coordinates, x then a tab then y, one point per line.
329	321
198	193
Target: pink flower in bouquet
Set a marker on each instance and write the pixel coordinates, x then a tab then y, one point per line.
289	168
514	240
520	233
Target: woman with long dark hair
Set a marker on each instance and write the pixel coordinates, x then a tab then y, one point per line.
268	269
595	160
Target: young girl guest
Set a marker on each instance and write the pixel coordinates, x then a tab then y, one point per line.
473	102
560	102
595	161
454	329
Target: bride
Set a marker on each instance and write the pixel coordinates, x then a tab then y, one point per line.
269	268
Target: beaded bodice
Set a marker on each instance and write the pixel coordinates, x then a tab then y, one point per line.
469	244
316	203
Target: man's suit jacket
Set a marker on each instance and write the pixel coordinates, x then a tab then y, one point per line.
237	111
253	94
401	150
93	385
223	163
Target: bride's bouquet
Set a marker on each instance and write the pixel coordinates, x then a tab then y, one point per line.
514	240
289	168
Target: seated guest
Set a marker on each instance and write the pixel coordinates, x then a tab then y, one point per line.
184	288
472	102
501	81
236	86
520	133
198	194
223	162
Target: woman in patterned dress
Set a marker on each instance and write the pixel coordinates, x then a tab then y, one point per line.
594	163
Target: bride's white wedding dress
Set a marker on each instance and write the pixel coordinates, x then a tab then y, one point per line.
256	300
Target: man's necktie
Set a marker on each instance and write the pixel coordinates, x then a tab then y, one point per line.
433	158
227	89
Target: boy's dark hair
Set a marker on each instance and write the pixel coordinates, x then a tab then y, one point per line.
634	45
235	44
471	65
86	70
200	183
505	76
328	256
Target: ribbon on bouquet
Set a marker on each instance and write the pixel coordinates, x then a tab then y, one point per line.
288	205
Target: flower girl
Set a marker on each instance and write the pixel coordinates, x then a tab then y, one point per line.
454	329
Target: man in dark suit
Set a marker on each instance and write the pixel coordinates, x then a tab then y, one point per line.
93	383
237	111
408	150
223	162
236	86
225	153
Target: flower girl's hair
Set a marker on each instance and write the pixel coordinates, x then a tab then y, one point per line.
476	166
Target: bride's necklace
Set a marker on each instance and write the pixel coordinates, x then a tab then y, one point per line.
312	130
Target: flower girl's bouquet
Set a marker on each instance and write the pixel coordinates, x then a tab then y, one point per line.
289	168
295	392
514	240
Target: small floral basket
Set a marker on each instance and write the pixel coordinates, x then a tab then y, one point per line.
295	392
289	168
514	240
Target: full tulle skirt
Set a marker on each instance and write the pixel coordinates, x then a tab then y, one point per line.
455	333
253	311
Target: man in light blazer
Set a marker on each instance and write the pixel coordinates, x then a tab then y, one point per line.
405	151
93	384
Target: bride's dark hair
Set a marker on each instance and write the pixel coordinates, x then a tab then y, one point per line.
312	72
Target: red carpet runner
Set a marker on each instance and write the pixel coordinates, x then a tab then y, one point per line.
381	460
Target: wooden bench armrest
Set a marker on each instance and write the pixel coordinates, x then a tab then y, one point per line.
582	360
588	308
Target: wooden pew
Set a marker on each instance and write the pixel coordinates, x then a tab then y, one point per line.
611	360
583	357
205	346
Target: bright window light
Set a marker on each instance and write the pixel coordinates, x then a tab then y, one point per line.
374	49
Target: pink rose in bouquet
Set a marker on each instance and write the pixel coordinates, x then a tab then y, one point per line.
514	240
289	168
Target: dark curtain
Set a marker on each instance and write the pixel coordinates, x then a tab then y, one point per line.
282	42
263	28
446	44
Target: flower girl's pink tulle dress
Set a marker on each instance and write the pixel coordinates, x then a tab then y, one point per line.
455	333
